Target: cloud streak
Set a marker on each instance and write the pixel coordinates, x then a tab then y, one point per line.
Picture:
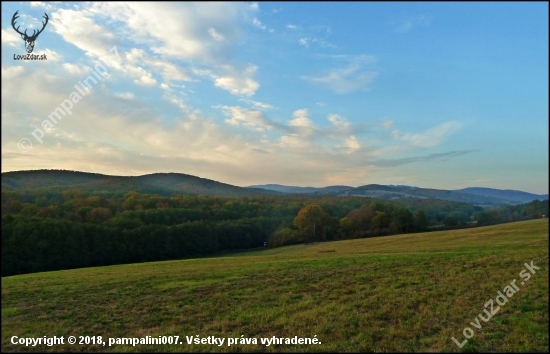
432	137
353	77
409	23
430	157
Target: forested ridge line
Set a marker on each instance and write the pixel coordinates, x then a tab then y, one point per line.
46	230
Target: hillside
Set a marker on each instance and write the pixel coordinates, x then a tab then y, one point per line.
398	192
505	194
406	293
158	183
302	190
477	196
178	183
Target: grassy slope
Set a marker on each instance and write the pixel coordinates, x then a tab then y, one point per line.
399	293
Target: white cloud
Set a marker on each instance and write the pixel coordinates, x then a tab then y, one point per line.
169	71
352	144
136	58
258	23
77	28
351	78
134	139
135	55
295	142
41	4
303	131
146	80
126	131
319	41
12	72
431	137
323	43
11	38
180	30
125	95
256	104
291	26
300	119
338	121
341	127
215	34
203	33
51	55
76	69
178	102
299	127
251	119
407	24
238	83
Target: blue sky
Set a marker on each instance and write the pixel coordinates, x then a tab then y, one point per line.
437	95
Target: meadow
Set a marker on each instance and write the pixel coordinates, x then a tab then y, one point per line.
402	293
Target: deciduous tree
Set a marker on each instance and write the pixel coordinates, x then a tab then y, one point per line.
312	221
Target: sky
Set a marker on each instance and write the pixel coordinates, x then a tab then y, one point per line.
435	95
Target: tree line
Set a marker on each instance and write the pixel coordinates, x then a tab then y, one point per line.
50	230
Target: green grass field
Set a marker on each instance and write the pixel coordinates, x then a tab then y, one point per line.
397	293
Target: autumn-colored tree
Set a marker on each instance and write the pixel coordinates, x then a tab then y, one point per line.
14	206
285	236
361	219
99	214
381	223
95	201
83	212
71	194
130	203
346	228
49	212
312	221
29	209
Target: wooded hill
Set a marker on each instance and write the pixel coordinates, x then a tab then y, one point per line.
157	183
474	195
167	184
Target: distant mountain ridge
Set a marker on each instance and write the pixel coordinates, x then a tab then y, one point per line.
178	183
474	195
508	194
301	190
156	183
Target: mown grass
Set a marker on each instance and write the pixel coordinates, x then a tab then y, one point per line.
397	293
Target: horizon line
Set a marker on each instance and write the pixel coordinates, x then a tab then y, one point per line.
264	184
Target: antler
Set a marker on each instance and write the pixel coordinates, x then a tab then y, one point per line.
15	17
34	33
43	24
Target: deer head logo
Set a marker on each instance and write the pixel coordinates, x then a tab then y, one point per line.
29	40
